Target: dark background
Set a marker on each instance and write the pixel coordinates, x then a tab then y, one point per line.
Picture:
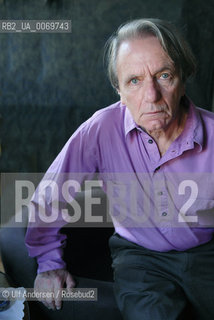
51	83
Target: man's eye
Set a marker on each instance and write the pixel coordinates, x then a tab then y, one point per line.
134	81
165	76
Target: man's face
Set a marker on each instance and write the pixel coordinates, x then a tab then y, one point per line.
149	84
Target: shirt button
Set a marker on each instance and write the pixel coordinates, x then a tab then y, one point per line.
150	141
160	193
164	214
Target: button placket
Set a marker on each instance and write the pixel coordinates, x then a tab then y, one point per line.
164	214
150	147
161	197
160	193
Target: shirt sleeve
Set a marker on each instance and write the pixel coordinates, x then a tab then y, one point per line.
77	161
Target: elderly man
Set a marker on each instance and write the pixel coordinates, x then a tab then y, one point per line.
157	135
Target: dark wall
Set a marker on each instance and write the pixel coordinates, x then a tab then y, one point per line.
50	83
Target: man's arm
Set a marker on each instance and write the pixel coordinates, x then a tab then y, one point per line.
46	245
44	240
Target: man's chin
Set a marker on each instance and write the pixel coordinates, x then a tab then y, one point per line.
157	126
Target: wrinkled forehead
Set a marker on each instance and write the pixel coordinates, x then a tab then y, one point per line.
143	51
132	44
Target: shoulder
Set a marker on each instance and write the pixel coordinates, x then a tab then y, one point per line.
105	119
205	114
207	117
113	112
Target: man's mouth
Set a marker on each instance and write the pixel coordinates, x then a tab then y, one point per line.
153	112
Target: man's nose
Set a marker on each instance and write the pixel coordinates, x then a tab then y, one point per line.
152	91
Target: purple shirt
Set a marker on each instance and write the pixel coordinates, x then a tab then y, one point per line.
167	202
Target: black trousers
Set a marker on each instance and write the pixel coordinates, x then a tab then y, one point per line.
151	285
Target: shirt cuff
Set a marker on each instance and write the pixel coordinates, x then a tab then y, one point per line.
51	260
50	265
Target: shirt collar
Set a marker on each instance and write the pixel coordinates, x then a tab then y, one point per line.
193	130
129	123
